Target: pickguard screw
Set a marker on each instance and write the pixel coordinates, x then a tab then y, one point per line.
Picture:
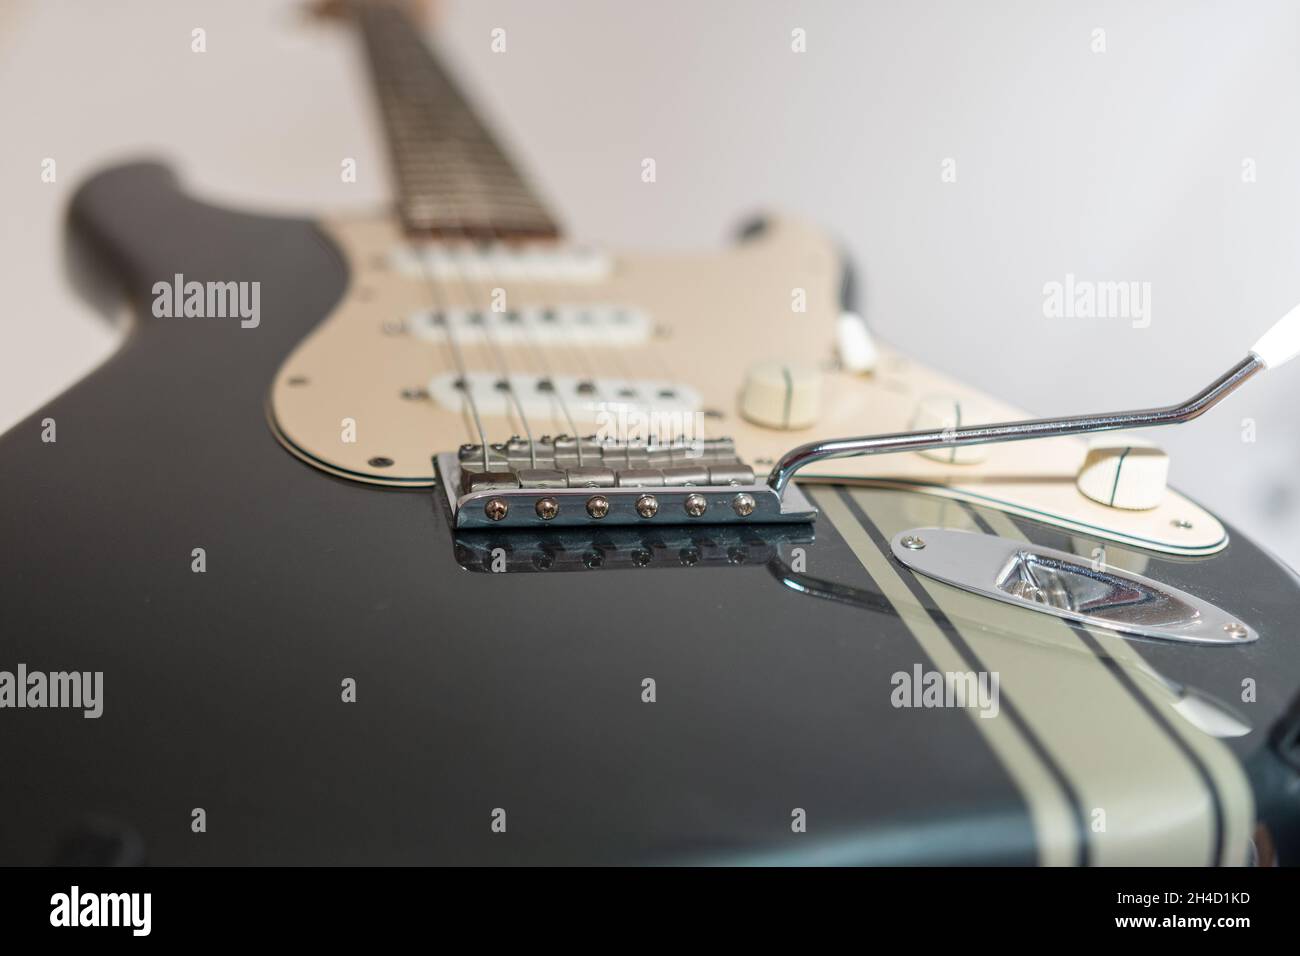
496	509
912	542
647	506
546	508
695	505
1233	629
743	505
1182	523
379	461
598	506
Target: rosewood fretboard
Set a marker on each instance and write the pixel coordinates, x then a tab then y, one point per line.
453	179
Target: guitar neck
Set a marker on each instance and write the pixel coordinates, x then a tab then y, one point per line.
453	179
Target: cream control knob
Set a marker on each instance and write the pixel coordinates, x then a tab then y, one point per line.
945	411
1124	472
781	395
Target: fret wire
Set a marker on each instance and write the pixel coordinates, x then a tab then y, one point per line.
446	162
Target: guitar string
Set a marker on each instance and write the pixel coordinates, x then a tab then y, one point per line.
474	307
656	357
533	348
442	319
590	355
371	25
474	295
495	345
582	304
566	336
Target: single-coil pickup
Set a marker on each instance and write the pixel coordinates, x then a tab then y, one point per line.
498	262
555	326
621	409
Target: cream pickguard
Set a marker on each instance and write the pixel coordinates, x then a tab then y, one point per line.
364	396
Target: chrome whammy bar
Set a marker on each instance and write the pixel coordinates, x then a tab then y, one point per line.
637	497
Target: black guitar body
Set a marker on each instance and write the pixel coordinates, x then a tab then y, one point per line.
504	717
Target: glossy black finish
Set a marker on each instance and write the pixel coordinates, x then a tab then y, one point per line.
475	690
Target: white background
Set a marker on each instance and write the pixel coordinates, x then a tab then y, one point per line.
1117	166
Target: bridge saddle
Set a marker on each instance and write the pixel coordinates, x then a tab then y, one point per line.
566	481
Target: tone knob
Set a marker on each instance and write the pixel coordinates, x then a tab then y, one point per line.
1124	472
943	412
781	395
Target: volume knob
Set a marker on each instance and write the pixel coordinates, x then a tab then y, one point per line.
939	412
1124	472
781	395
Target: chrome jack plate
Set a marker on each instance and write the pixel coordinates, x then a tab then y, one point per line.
641	505
1066	586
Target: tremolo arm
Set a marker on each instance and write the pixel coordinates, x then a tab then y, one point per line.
566	481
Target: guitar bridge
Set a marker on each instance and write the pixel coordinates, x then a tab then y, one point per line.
569	482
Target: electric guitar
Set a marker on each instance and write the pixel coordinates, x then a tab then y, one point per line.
435	537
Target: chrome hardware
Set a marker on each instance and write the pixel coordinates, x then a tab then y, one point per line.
927	439
1067	586
484	500
578	463
504	471
1202	710
695	505
635	548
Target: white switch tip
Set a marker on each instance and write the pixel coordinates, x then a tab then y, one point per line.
1281	343
854	342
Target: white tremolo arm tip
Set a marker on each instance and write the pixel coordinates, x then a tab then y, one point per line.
1281	343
